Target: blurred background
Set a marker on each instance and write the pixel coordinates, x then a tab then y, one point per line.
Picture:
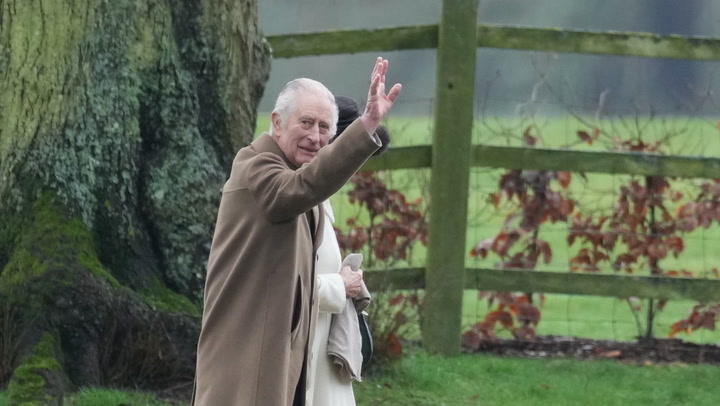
507	76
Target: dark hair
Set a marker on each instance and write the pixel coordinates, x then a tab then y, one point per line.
348	112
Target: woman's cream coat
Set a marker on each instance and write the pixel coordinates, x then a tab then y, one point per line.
327	387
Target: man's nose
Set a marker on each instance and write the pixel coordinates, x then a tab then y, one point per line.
314	134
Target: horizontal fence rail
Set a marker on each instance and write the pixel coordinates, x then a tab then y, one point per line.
639	44
632	163
353	41
401	158
610	285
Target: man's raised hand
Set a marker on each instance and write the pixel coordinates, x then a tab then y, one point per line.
378	103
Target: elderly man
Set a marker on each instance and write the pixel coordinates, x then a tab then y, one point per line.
260	302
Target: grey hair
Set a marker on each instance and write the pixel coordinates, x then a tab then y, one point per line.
286	102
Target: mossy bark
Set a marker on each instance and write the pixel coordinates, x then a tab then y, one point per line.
118	124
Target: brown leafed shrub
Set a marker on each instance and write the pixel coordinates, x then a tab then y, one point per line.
395	225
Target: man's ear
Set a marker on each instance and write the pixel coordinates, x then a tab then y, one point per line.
275	119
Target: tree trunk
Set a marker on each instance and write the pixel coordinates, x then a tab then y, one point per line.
118	124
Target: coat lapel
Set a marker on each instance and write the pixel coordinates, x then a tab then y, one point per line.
320	221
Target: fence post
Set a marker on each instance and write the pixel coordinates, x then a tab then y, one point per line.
455	91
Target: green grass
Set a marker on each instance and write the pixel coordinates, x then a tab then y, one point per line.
420	379
102	397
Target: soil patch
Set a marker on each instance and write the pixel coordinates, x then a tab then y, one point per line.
653	351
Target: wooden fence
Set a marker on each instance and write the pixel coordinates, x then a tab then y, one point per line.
456	38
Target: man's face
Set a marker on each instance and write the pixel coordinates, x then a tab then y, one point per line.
306	130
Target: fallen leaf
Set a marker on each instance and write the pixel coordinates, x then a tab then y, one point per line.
612	354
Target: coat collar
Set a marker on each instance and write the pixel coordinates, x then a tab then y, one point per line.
265	143
328	211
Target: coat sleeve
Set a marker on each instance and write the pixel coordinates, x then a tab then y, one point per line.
331	293
284	193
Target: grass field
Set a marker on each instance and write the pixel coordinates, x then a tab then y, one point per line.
582	316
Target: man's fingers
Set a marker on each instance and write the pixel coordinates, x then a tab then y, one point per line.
376	68
394	92
379	69
374	85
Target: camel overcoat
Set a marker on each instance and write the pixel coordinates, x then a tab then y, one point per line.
259	301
